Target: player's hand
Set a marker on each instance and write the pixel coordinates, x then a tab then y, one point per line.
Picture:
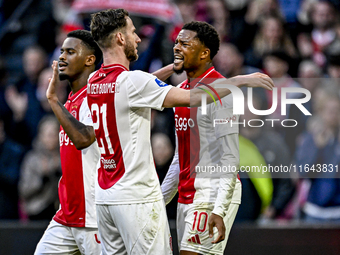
256	80
51	90
216	221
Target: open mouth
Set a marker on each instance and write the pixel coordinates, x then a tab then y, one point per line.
178	59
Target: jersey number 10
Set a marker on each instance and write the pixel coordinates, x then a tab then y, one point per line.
200	227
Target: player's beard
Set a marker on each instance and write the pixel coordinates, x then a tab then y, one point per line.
63	76
130	52
179	71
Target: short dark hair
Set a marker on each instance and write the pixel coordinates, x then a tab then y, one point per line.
103	23
206	34
87	40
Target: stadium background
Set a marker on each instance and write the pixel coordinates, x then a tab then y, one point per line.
297	42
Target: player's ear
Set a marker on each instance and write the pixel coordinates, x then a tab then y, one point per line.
90	60
205	53
120	38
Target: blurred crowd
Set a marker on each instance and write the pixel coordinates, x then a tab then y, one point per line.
295	42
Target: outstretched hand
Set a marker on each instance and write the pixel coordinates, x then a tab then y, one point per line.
51	90
256	80
216	221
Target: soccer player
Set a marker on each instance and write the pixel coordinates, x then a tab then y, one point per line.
206	199
74	227
130	206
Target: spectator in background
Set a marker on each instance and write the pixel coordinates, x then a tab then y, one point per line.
61	10
276	64
237	5
22	99
229	27
333	66
5	111
232	65
258	9
11	154
42	86
304	12
321	145
187	9
271	36
218	17
323	19
313	45
40	173
309	75
150	48
290	10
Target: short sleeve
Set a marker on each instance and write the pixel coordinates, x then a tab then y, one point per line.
146	90
225	121
85	114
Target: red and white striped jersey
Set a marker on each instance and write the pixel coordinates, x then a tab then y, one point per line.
76	186
120	103
198	148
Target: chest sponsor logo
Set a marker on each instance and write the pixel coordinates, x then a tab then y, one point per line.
64	139
183	123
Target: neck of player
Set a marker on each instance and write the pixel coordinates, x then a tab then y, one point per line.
115	55
194	73
81	81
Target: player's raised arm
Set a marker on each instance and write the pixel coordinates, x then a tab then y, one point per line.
165	72
81	135
178	97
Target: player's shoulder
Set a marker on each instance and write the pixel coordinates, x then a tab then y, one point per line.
140	77
135	77
137	74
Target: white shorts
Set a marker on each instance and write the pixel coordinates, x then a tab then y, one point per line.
60	239
134	229
193	229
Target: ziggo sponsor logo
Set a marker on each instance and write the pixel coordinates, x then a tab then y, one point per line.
64	139
108	163
183	123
